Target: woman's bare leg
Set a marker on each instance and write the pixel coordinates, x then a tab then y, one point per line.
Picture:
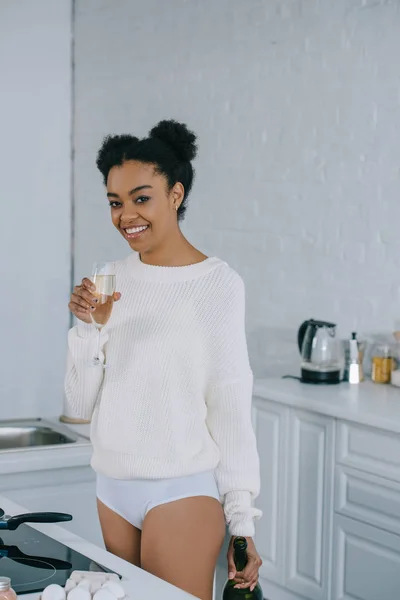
181	542
120	537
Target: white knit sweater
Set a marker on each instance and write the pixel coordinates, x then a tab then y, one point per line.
175	398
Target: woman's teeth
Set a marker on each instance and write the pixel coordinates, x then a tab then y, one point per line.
136	229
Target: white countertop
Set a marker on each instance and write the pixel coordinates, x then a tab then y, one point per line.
137	583
366	403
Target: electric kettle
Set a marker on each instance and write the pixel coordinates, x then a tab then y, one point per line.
320	352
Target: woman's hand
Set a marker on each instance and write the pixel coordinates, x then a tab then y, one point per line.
83	300
249	577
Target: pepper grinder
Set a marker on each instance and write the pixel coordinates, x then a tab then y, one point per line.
355	372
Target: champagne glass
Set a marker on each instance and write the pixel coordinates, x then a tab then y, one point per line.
103	277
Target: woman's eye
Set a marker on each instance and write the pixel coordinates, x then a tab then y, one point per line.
115	204
142	199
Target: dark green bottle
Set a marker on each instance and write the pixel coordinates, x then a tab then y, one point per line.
240	557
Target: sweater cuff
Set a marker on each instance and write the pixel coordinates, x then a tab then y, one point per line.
240	513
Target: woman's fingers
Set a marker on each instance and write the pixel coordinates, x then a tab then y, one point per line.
249	576
231	562
79	301
79	312
83	301
253	584
82	292
88	285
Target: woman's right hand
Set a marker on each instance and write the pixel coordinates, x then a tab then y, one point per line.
83	300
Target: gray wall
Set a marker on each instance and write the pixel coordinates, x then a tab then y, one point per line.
35	163
296	104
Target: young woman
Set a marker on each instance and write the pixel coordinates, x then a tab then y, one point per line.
171	414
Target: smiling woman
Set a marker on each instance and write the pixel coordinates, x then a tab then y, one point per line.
171	415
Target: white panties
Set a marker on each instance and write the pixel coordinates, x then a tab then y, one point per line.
132	499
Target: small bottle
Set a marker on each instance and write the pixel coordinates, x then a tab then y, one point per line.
383	363
240	558
6	591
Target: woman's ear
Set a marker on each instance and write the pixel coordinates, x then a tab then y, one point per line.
177	194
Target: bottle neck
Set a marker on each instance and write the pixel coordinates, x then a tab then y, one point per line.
240	559
5	584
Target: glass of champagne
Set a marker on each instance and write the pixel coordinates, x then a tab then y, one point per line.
103	277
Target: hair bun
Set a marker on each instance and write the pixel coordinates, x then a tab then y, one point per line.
178	137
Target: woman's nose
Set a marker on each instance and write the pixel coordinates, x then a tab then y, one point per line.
129	214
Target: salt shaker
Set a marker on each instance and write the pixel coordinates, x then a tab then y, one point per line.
6	591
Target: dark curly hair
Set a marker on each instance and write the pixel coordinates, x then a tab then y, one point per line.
170	147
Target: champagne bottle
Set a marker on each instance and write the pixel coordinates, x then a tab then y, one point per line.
240	557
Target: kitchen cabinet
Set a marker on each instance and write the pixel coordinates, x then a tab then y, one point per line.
366	562
70	490
310	470
270	423
297	467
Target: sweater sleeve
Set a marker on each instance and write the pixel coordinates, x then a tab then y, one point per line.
229	399
82	380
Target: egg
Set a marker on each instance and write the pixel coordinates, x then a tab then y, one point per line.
95	586
96	576
53	592
115	588
103	594
84	583
69	585
79	593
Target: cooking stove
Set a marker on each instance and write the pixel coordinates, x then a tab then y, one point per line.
34	560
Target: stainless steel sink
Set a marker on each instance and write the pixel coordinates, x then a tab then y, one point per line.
31	433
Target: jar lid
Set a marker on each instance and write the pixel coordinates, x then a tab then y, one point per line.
5	584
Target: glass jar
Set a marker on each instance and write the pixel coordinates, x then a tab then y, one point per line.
383	363
6	591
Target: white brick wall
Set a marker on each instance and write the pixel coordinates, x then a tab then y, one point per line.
297	108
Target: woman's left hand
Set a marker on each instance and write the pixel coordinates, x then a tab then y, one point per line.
247	578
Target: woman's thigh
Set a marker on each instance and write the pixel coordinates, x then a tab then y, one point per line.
181	541
120	537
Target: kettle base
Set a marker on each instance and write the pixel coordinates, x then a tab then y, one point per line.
324	377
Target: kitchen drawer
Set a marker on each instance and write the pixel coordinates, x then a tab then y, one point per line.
366	562
368	498
371	450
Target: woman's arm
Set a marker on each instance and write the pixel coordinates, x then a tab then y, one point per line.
229	401
82	380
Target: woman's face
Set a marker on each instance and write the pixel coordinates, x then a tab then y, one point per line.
142	208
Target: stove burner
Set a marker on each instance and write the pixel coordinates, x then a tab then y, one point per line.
33	574
33	560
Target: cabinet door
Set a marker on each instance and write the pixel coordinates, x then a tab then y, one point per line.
310	504
77	499
270	423
366	562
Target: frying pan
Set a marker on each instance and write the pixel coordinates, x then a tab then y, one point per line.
12	523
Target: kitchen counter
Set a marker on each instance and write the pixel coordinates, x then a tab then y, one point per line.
137	583
366	403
